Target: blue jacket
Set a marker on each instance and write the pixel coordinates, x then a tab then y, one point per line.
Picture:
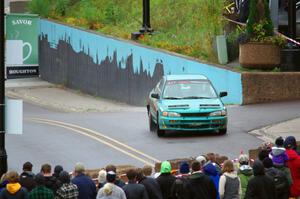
211	171
86	187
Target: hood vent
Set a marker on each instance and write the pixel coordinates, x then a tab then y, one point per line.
183	106
209	106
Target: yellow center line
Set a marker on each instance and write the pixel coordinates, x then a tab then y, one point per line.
81	131
100	134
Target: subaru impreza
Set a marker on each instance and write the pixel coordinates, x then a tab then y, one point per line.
186	103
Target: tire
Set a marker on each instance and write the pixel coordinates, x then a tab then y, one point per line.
151	122
160	133
223	131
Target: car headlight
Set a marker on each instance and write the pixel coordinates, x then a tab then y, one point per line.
218	113
170	114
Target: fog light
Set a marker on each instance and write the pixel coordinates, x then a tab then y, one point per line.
217	121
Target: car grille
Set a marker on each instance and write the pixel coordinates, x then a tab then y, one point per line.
194	114
197	124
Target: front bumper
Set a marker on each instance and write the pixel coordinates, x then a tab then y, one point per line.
193	123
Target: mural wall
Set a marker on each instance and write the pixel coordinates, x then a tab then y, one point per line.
116	69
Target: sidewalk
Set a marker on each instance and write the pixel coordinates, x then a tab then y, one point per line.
45	94
283	129
42	93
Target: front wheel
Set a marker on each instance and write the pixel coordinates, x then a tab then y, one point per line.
223	131
159	132
151	122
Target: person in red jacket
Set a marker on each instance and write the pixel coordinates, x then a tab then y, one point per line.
294	164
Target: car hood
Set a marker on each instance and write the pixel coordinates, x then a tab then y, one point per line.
185	105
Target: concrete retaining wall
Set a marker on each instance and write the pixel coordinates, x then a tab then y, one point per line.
118	69
270	87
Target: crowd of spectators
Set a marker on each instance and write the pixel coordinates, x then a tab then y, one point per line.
275	174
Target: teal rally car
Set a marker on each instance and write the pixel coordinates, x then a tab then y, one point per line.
186	103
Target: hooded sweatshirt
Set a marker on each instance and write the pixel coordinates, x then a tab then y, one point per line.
13	188
211	171
290	142
201	186
245	172
278	155
166	180
14	191
260	186
294	165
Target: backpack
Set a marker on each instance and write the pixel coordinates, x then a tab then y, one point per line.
178	190
281	183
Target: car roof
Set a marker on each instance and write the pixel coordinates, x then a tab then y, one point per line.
185	77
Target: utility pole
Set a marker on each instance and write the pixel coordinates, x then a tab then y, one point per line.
3	155
146	26
292	18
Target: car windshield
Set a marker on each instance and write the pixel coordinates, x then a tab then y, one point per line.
188	89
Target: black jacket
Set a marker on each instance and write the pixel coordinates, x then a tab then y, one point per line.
51	183
135	191
27	180
179	188
281	182
165	181
260	186
152	188
201	186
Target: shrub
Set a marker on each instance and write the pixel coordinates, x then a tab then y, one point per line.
43	8
61	7
259	22
188	27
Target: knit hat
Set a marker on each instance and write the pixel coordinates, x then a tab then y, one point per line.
267	162
79	167
39	179
258	168
165	167
184	168
102	176
290	142
279	142
57	170
243	159
110	176
64	177
201	159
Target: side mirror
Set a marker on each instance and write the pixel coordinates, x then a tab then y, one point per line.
223	94
155	95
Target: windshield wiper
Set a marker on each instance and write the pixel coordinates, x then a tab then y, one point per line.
172	98
196	97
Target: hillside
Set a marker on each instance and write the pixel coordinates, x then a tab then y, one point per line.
184	26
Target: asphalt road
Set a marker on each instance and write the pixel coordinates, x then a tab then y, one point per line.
60	143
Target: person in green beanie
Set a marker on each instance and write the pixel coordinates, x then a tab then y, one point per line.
166	179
